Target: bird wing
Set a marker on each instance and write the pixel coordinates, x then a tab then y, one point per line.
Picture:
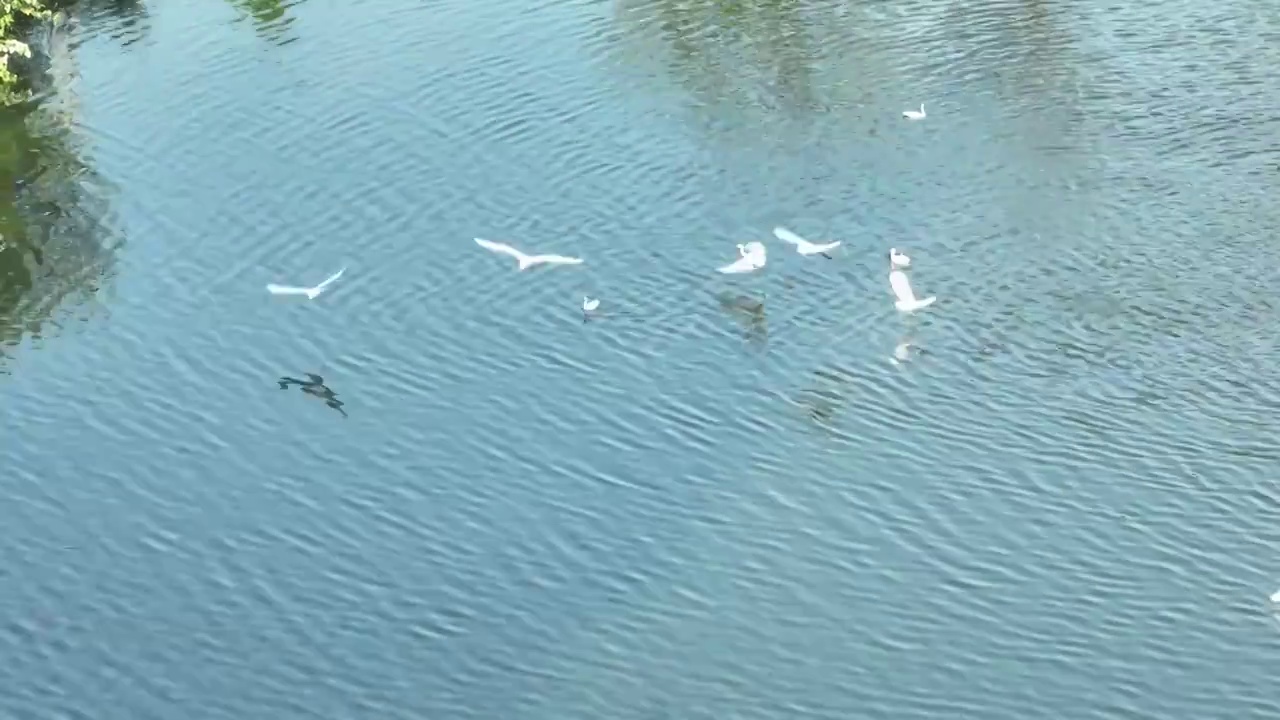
787	236
741	265
554	260
826	247
901	286
286	290
329	280
501	248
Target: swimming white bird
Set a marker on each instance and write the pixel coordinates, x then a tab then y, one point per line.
907	301
751	257
897	259
310	292
914	114
804	247
527	261
588	304
901	352
1275	597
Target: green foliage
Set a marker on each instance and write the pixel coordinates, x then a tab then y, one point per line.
16	17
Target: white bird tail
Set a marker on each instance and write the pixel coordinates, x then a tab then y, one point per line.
906	297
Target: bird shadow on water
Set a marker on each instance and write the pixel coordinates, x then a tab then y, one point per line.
826	399
747	310
314	386
749	313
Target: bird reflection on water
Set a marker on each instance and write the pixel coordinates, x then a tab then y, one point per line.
314	386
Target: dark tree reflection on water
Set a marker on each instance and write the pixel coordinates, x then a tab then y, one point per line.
271	18
748	53
760	82
57	243
58	237
129	21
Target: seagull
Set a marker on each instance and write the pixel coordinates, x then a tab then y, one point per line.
914	114
906	301
527	261
901	352
588	306
751	257
804	247
897	259
1275	597
310	292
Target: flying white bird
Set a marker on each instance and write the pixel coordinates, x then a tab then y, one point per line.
310	292
897	259
804	247
751	257
527	261
907	301
914	114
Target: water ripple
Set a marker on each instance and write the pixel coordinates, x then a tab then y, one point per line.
1057	504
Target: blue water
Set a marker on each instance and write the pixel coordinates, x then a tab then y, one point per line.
723	499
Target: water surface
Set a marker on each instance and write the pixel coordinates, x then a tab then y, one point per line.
727	503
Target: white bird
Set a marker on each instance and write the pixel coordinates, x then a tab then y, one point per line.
1275	597
804	247
914	114
907	301
527	261
310	292
901	352
897	259
751	257
589	305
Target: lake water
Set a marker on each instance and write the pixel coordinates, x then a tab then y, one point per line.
726	498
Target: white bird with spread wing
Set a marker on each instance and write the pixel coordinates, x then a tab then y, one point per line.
906	297
527	261
751	257
310	292
804	247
